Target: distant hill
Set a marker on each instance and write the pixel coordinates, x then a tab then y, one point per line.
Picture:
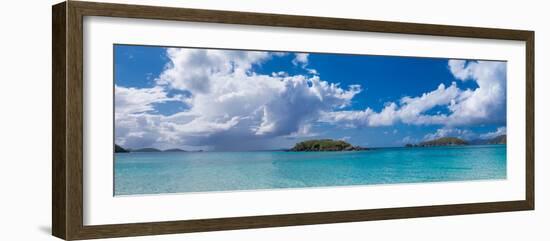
119	149
174	150
478	142
492	141
443	141
149	149
453	141
498	140
325	145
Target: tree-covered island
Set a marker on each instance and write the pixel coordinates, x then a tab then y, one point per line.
325	145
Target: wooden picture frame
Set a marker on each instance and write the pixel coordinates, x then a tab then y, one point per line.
67	139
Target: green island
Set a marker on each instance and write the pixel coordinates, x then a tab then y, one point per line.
174	150
444	141
120	149
325	145
147	149
498	140
455	141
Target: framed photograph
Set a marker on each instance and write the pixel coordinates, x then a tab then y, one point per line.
171	120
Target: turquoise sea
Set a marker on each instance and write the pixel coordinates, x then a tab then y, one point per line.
180	172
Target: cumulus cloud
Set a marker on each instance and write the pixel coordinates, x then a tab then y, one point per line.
194	69
465	133
408	140
300	59
450	132
500	131
134	100
305	98
485	104
409	110
345	138
305	131
228	101
312	71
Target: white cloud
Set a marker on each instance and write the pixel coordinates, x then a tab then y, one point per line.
312	71
464	133
300	59
409	111
408	140
304	131
485	104
413	107
298	100
136	122
459	70
228	101
450	132
348	118
134	100
500	131
279	74
345	138
194	69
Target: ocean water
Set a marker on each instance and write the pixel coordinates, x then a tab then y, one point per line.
180	172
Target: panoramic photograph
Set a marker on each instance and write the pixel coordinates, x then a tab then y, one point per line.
207	120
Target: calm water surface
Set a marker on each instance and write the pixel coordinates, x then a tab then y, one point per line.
178	172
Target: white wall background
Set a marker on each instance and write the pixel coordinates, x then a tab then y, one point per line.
25	123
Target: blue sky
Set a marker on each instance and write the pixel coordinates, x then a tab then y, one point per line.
247	100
